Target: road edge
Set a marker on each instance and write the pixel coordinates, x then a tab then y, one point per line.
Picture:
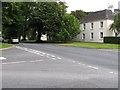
7	48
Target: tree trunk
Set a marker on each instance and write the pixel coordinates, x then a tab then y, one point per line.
24	37
39	37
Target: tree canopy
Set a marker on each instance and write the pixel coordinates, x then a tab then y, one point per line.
33	19
79	14
116	25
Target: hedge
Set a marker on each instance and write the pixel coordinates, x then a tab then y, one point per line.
113	40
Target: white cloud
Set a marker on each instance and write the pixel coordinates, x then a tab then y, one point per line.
90	5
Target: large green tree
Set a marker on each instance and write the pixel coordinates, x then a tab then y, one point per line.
34	19
70	28
46	18
13	17
116	25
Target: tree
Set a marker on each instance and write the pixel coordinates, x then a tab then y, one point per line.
70	28
79	14
116	25
46	18
10	19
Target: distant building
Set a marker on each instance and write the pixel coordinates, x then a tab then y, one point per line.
95	26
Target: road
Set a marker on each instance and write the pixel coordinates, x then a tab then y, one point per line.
50	66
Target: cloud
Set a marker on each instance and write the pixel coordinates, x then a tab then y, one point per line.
90	5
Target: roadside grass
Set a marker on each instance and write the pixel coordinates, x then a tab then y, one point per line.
29	41
5	45
90	45
81	44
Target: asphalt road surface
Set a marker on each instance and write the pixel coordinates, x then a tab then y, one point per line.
51	66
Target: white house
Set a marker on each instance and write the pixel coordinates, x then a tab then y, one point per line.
95	26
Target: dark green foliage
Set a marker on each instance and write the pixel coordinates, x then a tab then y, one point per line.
113	40
79	14
37	18
70	28
116	25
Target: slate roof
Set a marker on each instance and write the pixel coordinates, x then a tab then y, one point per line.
99	15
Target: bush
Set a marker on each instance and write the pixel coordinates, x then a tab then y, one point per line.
113	40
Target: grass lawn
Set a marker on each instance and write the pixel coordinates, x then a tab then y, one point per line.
82	44
90	45
29	41
5	45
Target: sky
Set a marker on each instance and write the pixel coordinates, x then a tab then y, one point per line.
90	5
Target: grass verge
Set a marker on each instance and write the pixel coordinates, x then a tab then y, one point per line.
90	45
80	44
5	45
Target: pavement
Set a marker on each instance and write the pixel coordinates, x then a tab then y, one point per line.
50	66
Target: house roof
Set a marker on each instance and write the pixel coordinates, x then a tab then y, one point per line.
99	15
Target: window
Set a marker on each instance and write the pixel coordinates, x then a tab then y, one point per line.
83	36
84	26
101	34
91	26
91	35
101	24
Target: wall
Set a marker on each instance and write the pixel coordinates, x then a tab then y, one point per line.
96	31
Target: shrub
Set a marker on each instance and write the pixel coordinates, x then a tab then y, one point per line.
113	40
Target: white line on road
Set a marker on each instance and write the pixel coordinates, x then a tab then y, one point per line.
21	62
2	58
113	73
14	62
59	58
73	61
37	52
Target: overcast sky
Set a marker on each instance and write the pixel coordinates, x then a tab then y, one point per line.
90	5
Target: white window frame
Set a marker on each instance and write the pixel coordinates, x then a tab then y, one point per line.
84	26
83	36
91	34
101	24
91	25
102	36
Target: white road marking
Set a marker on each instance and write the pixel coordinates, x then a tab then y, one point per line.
73	61
37	52
14	62
4	63
95	68
53	56
22	62
59	58
111	72
2	58
90	66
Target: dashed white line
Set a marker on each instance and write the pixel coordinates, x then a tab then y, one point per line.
59	58
53	56
111	72
37	52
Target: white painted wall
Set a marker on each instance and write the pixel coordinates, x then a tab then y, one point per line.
96	31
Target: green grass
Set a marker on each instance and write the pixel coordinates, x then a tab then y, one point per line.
29	41
90	45
81	44
5	45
